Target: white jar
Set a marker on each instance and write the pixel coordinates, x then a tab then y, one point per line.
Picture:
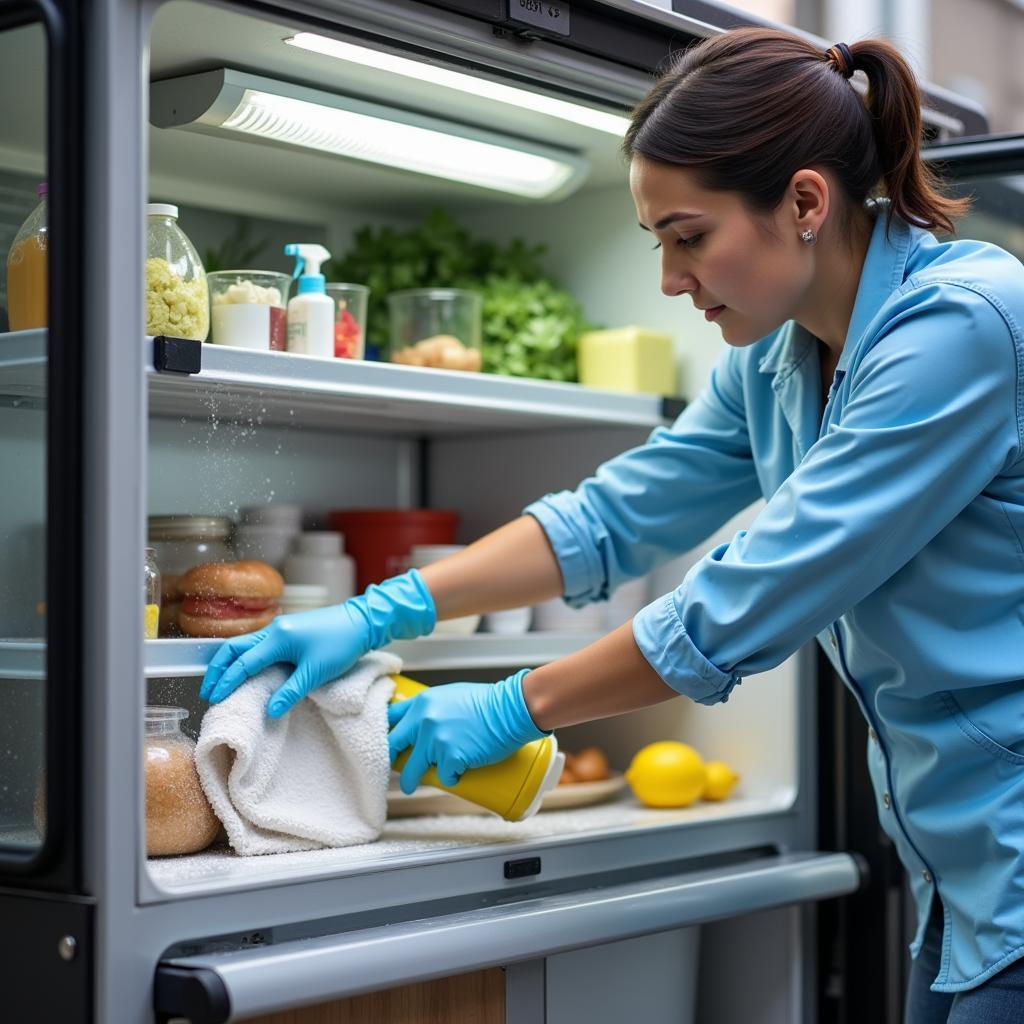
303	597
318	556
269	544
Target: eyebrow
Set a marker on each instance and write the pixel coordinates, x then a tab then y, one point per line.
670	218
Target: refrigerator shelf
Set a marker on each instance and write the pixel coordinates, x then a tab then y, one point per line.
24	659
278	388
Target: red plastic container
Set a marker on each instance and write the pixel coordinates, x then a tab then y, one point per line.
380	539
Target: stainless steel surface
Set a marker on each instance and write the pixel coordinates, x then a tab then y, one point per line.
276	977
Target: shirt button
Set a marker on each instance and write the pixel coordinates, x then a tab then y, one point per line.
872	735
832	642
927	876
887	800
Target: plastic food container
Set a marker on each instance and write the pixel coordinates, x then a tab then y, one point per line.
266	532
349	319
26	270
424	554
179	543
179	818
510	622
318	557
301	597
247	309
436	327
380	539
177	297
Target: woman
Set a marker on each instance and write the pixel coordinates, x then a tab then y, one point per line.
871	391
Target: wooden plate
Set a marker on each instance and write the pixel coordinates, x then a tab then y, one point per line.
427	800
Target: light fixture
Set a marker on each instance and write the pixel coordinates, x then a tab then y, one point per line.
575	113
249	106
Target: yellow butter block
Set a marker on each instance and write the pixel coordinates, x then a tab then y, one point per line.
628	359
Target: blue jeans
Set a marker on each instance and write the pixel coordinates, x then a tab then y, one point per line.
1000	1000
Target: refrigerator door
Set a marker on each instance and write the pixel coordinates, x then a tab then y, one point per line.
41	445
217	987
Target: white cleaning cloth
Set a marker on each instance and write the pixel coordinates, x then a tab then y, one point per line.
315	778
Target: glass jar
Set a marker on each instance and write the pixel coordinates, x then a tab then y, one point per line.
177	299
436	327
181	542
349	319
151	585
179	818
247	309
26	270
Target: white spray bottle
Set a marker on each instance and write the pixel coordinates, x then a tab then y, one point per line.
311	311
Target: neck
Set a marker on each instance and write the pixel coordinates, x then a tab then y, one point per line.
828	304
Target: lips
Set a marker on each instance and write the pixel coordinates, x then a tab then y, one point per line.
712	312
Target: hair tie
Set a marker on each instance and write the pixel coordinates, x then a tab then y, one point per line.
841	58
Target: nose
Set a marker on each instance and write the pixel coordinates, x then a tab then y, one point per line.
675	282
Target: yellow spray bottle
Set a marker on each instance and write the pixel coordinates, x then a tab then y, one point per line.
513	788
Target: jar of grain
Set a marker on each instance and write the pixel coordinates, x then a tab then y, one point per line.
178	816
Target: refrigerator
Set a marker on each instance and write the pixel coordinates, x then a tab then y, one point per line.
752	909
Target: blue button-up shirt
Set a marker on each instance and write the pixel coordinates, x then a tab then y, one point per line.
893	532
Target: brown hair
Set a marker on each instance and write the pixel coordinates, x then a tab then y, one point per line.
747	109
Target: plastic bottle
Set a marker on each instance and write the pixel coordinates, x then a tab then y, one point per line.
513	788
311	311
26	270
177	296
318	557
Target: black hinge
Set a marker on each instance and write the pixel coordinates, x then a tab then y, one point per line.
177	355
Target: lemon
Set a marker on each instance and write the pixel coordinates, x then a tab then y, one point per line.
667	774
721	778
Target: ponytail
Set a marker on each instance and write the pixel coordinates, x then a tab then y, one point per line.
747	109
894	102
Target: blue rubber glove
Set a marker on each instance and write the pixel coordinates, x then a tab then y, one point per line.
460	726
324	643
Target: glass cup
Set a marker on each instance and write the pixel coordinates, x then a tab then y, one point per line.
247	309
349	319
436	327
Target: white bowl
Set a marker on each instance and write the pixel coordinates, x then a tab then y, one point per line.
457	627
555	616
508	622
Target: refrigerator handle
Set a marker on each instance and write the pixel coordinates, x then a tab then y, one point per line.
215	988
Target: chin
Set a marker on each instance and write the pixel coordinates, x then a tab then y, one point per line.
742	334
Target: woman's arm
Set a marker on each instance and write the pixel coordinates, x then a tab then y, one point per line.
610	677
511	567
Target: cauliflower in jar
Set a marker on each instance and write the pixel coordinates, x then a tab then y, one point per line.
173	305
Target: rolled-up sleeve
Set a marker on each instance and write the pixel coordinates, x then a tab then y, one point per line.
657	500
930	416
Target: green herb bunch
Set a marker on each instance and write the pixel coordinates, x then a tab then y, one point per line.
530	325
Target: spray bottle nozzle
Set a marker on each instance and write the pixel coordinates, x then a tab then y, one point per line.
308	258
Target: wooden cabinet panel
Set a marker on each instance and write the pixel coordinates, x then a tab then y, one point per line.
477	998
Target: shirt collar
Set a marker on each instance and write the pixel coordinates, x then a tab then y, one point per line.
884	267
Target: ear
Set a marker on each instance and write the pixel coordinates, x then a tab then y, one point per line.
808	200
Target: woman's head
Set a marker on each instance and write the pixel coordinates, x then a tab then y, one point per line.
765	137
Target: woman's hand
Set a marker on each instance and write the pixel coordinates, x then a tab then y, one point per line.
460	726
323	643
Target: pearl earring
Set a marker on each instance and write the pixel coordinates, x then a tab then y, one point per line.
808	237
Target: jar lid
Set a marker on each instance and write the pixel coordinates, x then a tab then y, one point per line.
161	210
189	527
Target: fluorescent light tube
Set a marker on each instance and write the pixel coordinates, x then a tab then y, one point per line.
231	102
575	113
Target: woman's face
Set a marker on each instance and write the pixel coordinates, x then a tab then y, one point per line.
750	274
